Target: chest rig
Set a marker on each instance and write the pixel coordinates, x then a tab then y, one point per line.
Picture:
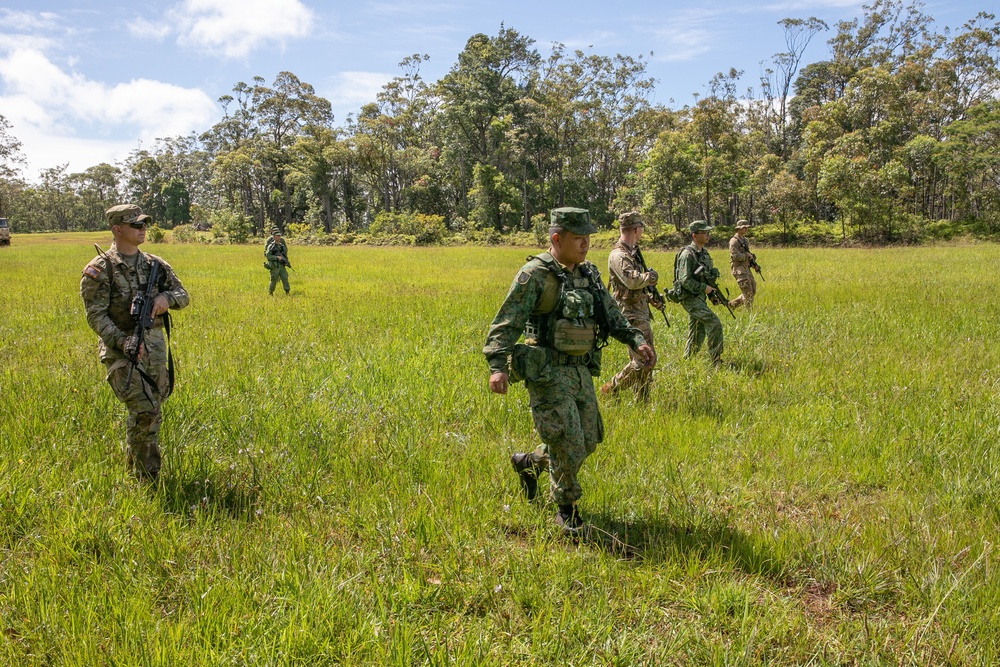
570	315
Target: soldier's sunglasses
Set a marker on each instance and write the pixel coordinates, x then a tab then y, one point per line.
137	225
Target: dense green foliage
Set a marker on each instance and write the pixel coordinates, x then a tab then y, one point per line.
891	136
336	486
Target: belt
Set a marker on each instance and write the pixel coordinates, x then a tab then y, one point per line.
558	358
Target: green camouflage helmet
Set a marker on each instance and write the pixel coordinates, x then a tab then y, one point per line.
575	220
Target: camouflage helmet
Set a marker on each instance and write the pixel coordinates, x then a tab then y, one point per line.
126	214
574	220
699	226
275	231
742	224
630	219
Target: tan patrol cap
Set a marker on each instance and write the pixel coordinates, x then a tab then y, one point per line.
742	224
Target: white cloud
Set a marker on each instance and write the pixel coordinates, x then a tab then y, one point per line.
351	90
233	28
56	114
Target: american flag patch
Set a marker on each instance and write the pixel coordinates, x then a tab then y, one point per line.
92	271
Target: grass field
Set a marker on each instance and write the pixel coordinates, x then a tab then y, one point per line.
336	486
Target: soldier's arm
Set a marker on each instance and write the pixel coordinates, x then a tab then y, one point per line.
628	271
618	326
95	289
736	251
173	290
685	274
508	325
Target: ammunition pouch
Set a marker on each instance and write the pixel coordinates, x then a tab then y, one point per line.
528	362
574	337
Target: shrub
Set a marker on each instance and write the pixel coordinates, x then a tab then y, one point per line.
236	225
185	234
155	234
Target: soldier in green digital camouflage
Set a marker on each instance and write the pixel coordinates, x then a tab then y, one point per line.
276	253
693	271
629	280
109	283
558	302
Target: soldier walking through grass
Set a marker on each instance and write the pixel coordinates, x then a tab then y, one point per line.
557	300
629	281
109	285
276	253
694	275
740	259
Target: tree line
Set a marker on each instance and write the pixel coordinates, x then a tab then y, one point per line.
892	136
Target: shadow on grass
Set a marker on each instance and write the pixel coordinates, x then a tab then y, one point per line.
705	536
213	494
754	367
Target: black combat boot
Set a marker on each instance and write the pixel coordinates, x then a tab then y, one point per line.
526	470
569	520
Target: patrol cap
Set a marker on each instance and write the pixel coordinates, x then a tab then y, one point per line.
275	230
630	219
699	226
575	220
742	224
126	214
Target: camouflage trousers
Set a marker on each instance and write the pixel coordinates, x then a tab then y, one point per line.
278	271
702	322
634	375
142	426
564	410
748	288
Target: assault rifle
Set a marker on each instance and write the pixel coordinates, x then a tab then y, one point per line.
141	310
651	291
755	266
715	296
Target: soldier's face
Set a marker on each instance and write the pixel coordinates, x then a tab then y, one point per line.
131	234
571	248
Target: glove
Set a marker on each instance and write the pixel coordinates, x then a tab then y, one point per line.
652	276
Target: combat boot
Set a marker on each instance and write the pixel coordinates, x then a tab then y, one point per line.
569	520
527	472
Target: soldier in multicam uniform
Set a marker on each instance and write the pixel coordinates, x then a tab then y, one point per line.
276	253
693	271
558	302
109	283
739	261
629	280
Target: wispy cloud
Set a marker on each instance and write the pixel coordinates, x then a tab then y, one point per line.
350	90
684	36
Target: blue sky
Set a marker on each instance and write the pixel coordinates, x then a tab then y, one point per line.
87	82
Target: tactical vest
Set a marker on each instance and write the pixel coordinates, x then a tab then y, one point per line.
574	321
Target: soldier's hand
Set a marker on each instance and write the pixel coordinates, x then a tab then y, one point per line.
652	277
709	289
647	355
160	305
129	348
498	383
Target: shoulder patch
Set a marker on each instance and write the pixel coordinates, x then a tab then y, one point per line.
523	277
92	271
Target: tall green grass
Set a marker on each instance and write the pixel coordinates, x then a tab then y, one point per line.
336	488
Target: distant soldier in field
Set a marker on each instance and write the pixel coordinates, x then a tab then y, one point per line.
558	302
740	259
108	286
694	275
276	253
630	280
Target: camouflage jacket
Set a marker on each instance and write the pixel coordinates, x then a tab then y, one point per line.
687	275
535	290
628	280
107	293
739	253
274	249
